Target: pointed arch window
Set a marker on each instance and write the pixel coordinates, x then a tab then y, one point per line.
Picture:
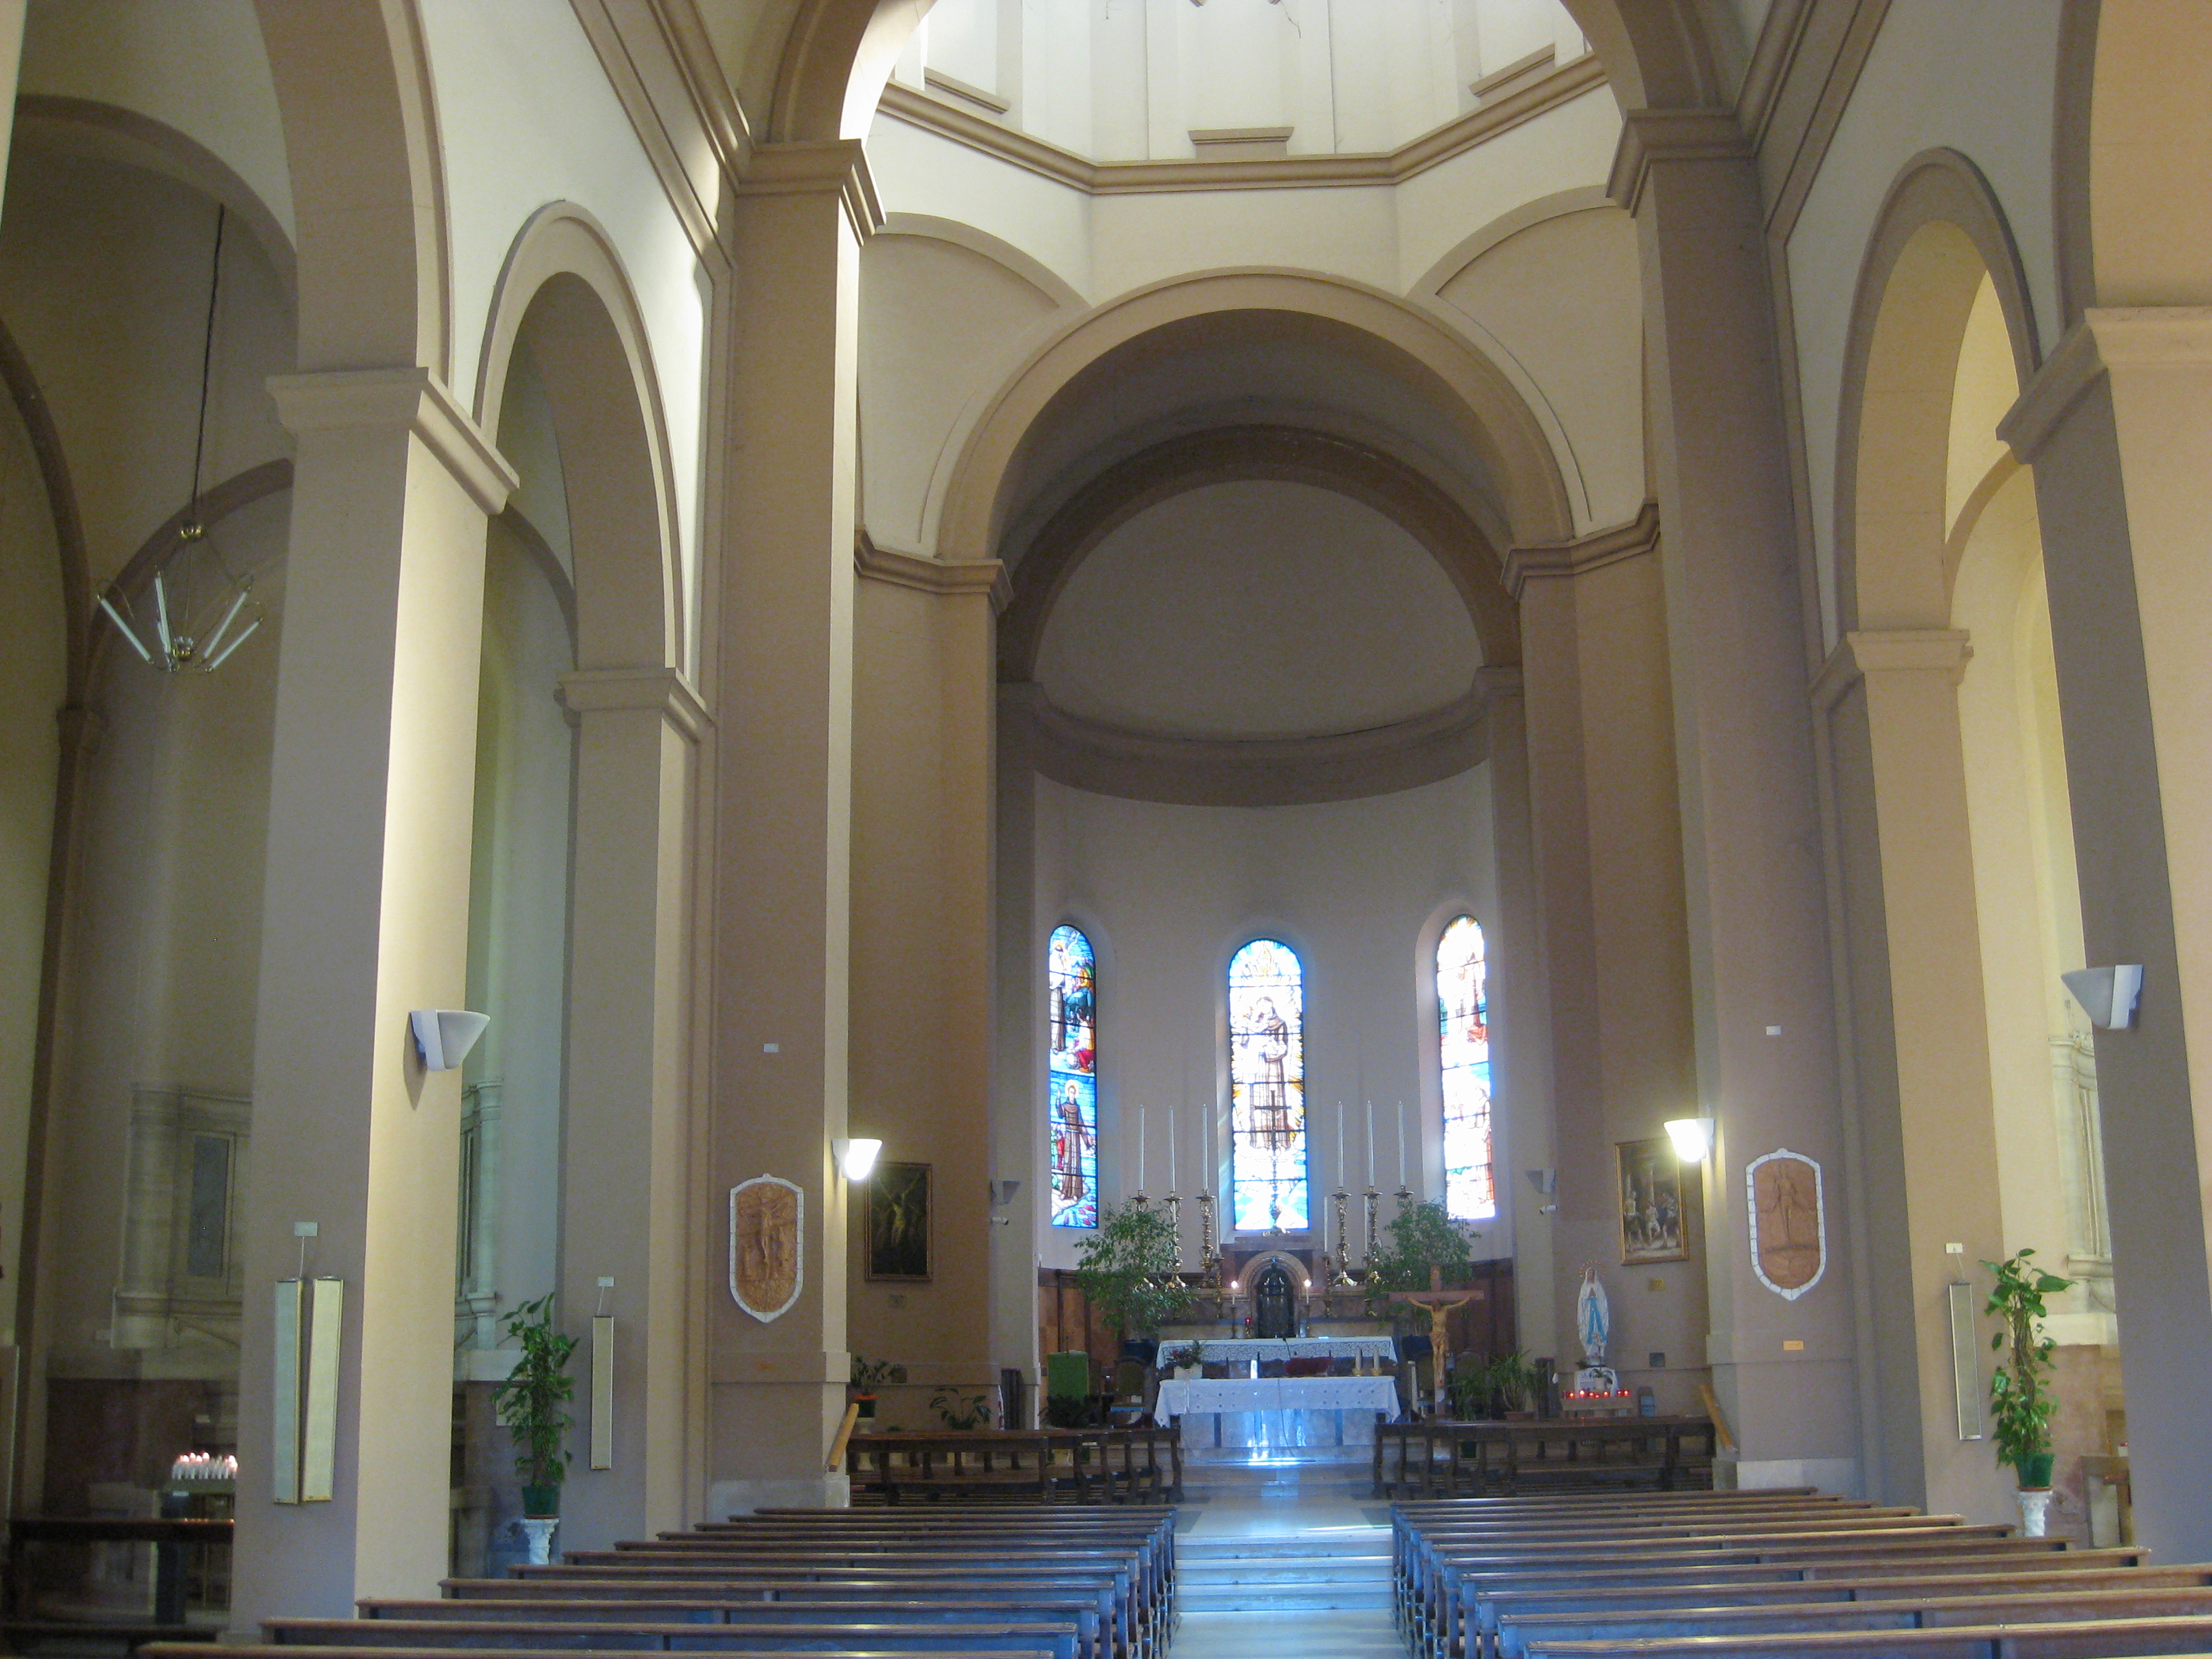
1463	1037
1268	1088
1072	1048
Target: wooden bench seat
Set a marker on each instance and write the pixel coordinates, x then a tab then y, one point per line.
2107	1639
339	1650
1093	1626
762	1630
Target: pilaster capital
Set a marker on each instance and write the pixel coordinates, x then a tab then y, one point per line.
1551	560
947	577
662	691
839	165
1865	653
411	400
1648	136
2106	337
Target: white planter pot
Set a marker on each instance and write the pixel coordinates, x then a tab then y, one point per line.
2034	1501
538	1536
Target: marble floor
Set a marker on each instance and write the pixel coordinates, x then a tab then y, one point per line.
1286	1561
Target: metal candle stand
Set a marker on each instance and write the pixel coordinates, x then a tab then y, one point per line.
1339	1277
1374	1202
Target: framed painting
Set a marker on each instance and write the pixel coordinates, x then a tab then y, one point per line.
898	1222
1652	1225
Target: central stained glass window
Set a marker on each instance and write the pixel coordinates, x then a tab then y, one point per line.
1071	1060
1268	1088
1463	1031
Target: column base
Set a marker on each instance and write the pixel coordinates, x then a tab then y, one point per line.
1839	1476
821	1492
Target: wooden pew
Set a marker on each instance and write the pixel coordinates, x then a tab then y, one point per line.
1141	1464
1665	1452
2092	1639
764	1630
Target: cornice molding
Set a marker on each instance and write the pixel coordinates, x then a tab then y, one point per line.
657	58
1807	65
942	577
807	169
1547	561
1864	653
1136	765
2106	337
663	691
411	400
1653	136
1455	137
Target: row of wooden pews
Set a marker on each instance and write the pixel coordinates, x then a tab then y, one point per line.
1048	1582
1767	1574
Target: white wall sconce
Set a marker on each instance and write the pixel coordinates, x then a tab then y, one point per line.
445	1035
1002	1197
856	1158
1692	1137
2107	995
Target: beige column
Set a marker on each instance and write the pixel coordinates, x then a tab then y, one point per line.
1606	834
784	697
364	916
1519	1018
2118	427
1751	826
12	16
1920	1040
626	1130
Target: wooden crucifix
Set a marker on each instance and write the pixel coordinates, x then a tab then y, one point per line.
1439	1310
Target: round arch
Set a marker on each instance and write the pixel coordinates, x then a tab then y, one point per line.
564	285
1939	233
1463	384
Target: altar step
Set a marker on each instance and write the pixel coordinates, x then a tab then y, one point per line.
1283	1574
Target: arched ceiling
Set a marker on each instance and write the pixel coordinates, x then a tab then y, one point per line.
1257	610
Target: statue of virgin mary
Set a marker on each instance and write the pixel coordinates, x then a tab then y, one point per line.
1593	1318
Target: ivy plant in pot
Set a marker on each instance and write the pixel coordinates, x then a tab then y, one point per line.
2020	1396
531	1402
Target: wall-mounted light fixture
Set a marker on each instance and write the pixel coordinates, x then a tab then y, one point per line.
446	1035
1692	1137
2107	995
856	1158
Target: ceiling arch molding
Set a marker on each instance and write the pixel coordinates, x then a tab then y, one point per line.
1465	388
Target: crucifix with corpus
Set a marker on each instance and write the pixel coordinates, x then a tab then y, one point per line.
1433	1300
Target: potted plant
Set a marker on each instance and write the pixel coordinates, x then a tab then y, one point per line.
961	1410
2020	1400
1421	1236
1127	1270
1513	1379
531	1403
868	1376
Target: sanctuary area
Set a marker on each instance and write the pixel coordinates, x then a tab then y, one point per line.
776	758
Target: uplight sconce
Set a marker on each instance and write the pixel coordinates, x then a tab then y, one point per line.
1692	1137
2107	995
856	1158
446	1035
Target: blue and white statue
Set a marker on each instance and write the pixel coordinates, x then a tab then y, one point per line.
1594	1324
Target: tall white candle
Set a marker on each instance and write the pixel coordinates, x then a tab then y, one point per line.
1340	1143
1371	1142
1171	1148
1402	1146
1141	1151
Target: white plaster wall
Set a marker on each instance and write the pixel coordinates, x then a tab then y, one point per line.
919	173
1954	73
199	68
527	118
1168	894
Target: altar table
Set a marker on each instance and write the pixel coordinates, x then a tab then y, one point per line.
1282	1413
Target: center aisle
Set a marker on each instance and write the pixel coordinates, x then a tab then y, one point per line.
1283	1562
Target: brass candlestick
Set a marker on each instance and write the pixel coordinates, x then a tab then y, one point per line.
1340	1273
1374	1202
1174	1208
1404	1195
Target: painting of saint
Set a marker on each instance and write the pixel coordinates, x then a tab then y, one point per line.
898	1221
1652	1227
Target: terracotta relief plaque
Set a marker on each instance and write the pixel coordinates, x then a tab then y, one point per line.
1789	1229
765	1269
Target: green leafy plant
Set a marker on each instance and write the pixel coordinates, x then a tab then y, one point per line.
956	1410
1511	1380
1068	1411
1469	1391
2019	1398
531	1403
869	1375
1421	1236
1127	1270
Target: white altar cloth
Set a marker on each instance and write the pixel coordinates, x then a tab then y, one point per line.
1260	1417
1235	1351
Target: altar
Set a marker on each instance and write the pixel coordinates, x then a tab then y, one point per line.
1237	1351
1260	1417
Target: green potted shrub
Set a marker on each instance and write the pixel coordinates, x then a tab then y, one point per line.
1421	1236
1127	1270
2020	1400
870	1375
531	1403
961	1410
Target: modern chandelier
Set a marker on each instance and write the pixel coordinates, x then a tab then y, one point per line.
203	610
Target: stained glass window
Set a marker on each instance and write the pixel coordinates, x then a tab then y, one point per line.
1071	973
1268	1088
1463	1025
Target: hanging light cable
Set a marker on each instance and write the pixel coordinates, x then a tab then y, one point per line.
193	588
